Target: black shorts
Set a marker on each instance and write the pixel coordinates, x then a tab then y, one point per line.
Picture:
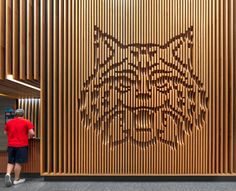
17	155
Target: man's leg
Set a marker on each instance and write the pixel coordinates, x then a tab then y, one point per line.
9	168
21	158
18	180
7	179
17	171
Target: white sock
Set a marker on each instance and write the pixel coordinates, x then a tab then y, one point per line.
8	174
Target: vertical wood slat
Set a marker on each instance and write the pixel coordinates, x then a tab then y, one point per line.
203	151
217	88
55	85
77	150
29	39
36	43
214	91
69	135
2	38
209	71
233	16
73	86
8	36
65	86
221	94
231	92
15	44
43	108
210	88
50	84
60	74
22	39
226	89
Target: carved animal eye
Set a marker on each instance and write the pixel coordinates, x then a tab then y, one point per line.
125	87
134	53
152	54
162	84
159	82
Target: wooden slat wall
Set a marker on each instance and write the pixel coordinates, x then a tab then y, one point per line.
102	60
32	112
19	39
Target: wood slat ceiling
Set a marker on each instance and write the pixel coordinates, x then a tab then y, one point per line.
17	91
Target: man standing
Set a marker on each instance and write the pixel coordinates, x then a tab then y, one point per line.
18	131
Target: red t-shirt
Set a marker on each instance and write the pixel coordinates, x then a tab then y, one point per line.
17	132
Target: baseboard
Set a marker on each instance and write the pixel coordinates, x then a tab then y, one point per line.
142	178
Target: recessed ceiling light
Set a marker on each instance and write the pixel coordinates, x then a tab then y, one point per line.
10	78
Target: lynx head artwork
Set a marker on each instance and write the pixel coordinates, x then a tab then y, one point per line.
143	93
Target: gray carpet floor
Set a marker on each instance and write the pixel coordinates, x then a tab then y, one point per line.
40	185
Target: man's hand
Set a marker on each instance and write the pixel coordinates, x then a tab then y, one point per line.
31	133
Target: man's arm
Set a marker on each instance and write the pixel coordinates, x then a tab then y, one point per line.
30	130
31	133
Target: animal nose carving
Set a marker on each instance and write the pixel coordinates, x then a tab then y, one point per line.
143	67
144	89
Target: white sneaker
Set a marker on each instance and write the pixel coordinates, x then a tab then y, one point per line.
8	181
19	181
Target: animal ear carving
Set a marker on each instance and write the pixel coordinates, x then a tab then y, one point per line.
105	47
182	52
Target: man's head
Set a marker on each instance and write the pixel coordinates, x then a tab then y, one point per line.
19	113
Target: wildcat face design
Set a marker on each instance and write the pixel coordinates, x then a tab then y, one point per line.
143	93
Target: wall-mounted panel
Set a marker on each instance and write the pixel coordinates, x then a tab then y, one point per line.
138	87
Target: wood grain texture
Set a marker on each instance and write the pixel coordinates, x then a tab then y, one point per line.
142	87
